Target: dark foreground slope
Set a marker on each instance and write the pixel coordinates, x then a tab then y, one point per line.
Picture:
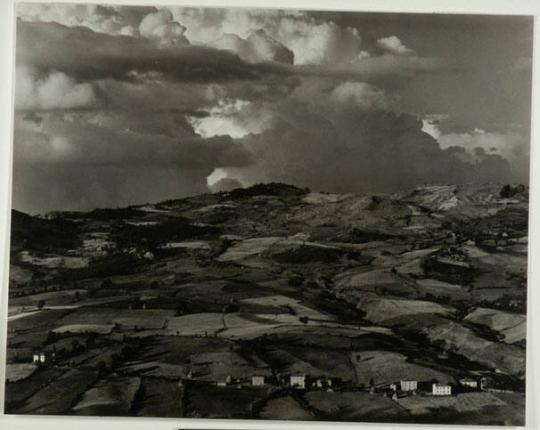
171	309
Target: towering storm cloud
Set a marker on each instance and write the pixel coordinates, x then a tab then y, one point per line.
118	105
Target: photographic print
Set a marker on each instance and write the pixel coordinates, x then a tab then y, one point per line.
269	214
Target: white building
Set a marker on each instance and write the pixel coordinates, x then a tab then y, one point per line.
298	381
39	358
257	380
442	390
469	382
408	385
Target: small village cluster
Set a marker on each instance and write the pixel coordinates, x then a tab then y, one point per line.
329	384
394	390
305	382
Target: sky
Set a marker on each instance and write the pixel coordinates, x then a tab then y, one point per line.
119	105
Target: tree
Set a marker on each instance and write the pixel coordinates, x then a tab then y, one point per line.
75	345
102	367
51	337
41	304
91	341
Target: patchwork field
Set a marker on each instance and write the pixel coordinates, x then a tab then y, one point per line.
205	307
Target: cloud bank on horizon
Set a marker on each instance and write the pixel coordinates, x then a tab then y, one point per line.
118	105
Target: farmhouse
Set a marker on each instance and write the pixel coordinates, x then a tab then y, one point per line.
298	381
493	385
257	380
39	358
468	382
441	390
408	385
225	382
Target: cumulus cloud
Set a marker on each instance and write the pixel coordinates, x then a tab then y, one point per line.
394	45
103	19
91	150
258	47
87	55
431	128
319	42
235	118
118	105
431	123
512	146
55	90
312	41
359	148
161	26
82	53
90	141
475	145
361	94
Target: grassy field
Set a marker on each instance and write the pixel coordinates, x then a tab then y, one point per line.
17	392
480	407
19	371
178	350
59	395
125	318
513	327
507	358
383	310
216	366
354	406
248	248
285	408
113	396
210	401
159	398
156	369
386	367
84	328
196	324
